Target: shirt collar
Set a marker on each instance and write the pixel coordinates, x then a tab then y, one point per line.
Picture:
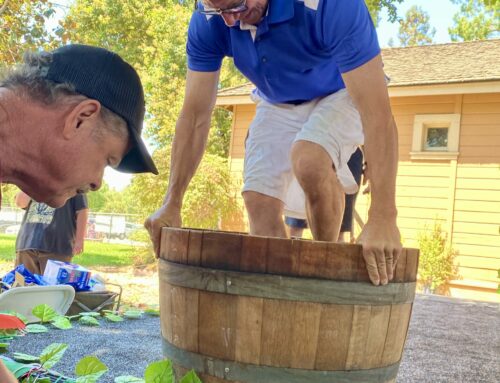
277	12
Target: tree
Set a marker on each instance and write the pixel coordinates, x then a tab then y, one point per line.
210	197
23	27
151	35
415	28
477	20
376	6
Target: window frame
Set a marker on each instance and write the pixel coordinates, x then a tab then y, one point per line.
421	124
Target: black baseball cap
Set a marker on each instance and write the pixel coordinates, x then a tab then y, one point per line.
104	76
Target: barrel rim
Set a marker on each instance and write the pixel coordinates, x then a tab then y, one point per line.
292	257
271	286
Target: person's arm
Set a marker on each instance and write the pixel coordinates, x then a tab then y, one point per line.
5	375
82	217
22	200
380	237
189	143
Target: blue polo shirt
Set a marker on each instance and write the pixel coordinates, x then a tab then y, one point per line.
296	53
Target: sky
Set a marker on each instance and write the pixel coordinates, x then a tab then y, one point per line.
440	12
440	17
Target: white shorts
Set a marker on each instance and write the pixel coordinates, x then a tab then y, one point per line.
332	122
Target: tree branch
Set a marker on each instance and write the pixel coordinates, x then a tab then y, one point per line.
3	7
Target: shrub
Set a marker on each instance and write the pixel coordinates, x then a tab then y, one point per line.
436	265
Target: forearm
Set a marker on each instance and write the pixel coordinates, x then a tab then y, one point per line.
187	150
381	152
81	224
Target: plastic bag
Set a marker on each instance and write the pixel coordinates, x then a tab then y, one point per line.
29	278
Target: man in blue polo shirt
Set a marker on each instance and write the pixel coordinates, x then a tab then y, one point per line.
320	93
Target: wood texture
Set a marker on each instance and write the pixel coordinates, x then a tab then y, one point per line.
279	338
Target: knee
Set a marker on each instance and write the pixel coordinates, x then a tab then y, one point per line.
312	166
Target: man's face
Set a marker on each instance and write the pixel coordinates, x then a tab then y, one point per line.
254	13
78	167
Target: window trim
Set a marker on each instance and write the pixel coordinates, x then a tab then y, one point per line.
423	121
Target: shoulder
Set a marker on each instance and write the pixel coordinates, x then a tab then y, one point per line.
79	202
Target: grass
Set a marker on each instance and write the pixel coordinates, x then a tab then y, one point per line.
95	253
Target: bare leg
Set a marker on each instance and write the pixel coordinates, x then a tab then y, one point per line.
325	197
265	214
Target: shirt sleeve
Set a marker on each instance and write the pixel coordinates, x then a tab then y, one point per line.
205	43
80	202
348	32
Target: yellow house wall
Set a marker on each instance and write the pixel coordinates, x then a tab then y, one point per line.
463	195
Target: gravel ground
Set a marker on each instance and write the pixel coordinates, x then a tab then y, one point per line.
449	340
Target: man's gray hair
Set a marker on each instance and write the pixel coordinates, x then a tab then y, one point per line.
28	79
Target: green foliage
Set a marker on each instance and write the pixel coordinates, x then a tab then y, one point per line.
52	354
477	20
159	372
36	328
128	379
436	265
108	200
25	358
190	377
8	192
210	197
62	323
23	26
44	312
375	7
133	314
88	320
113	317
89	369
96	253
415	28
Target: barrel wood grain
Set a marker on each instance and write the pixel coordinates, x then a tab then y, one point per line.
292	335
253	254
359	335
334	334
396	333
184	318
277	325
249	329
377	333
217	335
305	332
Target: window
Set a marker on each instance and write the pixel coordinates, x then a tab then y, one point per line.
435	136
436	139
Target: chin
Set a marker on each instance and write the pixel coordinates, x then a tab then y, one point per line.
57	201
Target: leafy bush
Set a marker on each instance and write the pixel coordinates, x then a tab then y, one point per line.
436	265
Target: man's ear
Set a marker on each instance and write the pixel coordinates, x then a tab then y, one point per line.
84	114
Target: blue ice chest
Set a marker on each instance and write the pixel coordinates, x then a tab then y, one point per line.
63	273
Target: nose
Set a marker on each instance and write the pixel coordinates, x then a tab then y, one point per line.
231	19
94	186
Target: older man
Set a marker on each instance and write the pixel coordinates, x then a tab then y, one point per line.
320	93
64	117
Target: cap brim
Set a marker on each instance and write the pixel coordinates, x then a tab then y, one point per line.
137	160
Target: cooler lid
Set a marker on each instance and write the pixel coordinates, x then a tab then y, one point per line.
23	299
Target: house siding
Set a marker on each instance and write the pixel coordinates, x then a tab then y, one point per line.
463	195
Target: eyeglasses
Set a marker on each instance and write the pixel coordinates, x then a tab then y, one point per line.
241	7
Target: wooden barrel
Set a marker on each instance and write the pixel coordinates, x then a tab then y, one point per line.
248	309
